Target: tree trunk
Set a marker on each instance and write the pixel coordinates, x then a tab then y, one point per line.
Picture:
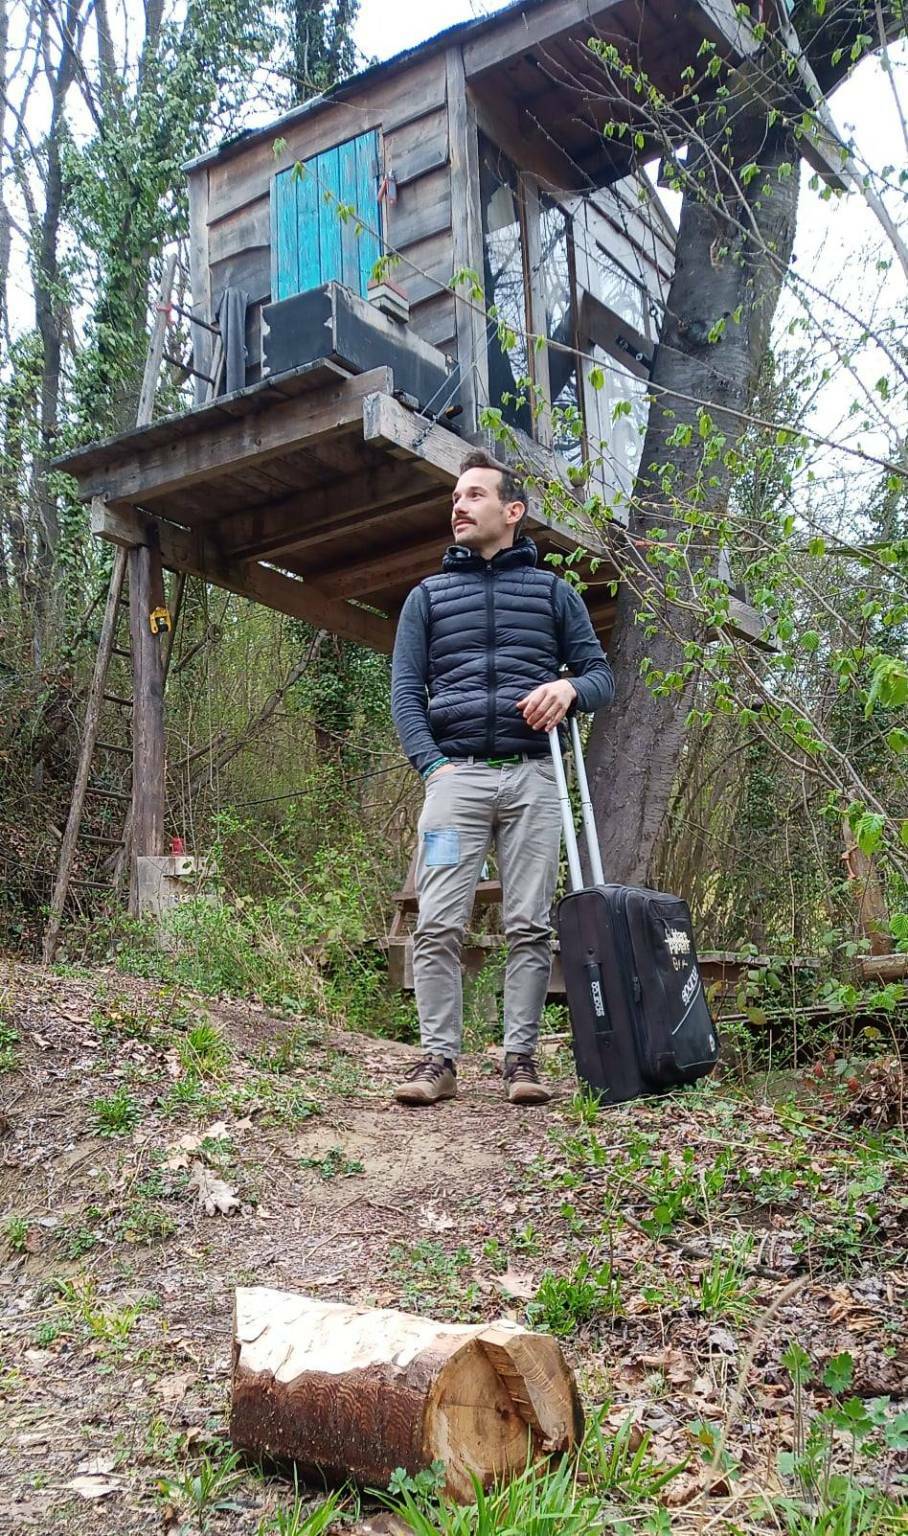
354	1393
731	256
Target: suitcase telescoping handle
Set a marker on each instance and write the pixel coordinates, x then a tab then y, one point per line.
586	810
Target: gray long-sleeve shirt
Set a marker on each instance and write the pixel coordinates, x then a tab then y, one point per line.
577	647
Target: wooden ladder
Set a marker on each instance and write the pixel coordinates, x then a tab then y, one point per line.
111	786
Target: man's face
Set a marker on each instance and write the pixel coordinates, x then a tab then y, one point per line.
479	518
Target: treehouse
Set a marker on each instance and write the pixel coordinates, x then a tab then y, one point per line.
344	363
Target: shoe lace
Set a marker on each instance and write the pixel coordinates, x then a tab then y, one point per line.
429	1068
523	1070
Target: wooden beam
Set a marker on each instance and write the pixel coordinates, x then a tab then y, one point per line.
230	447
529	29
155	353
466	232
604	327
509	127
882	967
397	430
383	569
747	624
388	424
200	279
295	521
723	23
182	550
146	594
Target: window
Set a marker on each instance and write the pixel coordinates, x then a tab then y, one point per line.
621	292
505	283
310	243
558	286
623	407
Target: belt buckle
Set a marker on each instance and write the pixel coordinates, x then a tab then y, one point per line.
502	762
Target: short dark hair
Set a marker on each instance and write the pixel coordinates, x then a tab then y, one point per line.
510	486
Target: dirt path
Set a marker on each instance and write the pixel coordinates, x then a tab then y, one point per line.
667	1233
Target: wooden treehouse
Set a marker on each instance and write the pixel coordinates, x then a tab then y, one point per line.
314	472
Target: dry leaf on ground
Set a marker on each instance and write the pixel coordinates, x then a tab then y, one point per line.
172	1389
215	1195
93	1486
517	1283
434	1220
179	1154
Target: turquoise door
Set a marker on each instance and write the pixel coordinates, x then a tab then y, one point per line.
311	242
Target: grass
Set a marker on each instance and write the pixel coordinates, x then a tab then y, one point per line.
533	1504
433	1282
115	1115
15	1230
203	1051
576	1496
81	1309
334	1165
565	1303
721	1292
205	1490
298	1519
9	1039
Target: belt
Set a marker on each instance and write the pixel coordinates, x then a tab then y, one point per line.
502	762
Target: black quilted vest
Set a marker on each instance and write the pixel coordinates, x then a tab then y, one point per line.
493	636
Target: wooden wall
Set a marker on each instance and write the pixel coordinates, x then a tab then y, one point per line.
230	200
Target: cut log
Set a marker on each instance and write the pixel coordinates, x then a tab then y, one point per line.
350	1392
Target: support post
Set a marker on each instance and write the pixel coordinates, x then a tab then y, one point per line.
466	222
146	593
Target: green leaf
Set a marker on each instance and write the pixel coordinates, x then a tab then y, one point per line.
897	740
597	378
888	684
817	547
797	1363
869	832
810	641
839	1373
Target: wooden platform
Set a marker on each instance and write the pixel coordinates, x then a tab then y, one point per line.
315	492
319	494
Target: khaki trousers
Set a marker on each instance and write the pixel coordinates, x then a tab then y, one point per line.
466	808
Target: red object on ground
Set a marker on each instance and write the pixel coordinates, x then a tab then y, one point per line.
176	845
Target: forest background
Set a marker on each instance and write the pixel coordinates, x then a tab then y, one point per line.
782	815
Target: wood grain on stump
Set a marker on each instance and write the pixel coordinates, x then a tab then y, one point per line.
354	1392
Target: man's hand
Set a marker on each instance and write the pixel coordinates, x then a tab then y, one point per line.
548	704
437	772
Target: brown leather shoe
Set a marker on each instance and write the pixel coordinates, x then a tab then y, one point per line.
432	1079
522	1079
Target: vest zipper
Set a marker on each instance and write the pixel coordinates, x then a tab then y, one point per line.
490	664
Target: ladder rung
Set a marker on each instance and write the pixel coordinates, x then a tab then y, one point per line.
107	794
116	698
195	319
94	885
119	651
187	367
111	746
100	837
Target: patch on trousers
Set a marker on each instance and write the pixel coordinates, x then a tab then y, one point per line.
442	846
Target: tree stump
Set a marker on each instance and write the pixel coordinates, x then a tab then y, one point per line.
352	1392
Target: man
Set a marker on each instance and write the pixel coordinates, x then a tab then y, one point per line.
475	689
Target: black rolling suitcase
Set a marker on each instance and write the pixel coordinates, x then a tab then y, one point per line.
639	1017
